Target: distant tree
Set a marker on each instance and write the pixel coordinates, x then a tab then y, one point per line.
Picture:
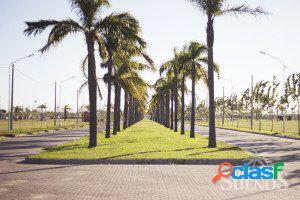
293	89
243	105
42	108
270	100
258	96
18	112
232	105
67	108
202	110
220	106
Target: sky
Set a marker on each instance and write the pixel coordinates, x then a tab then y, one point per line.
165	24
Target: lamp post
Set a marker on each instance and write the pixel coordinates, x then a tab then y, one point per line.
11	71
59	101
283	79
77	109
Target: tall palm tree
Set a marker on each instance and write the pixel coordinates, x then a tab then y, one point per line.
162	100
196	51
172	66
94	30
212	9
197	58
115	41
183	62
126	77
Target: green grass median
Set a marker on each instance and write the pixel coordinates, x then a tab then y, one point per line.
145	140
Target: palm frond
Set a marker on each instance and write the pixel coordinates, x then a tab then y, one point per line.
243	9
87	10
60	29
83	66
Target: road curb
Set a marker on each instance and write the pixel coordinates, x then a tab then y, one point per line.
29	160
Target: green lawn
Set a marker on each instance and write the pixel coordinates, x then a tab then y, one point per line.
291	127
31	126
144	140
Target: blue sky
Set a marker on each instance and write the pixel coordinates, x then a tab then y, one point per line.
165	24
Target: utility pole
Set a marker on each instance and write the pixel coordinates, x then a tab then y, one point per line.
8	109
59	99
11	91
12	97
55	107
283	93
251	102
223	110
77	107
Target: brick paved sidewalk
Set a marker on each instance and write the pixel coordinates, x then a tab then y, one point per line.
23	181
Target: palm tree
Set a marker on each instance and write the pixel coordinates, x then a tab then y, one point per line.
67	108
94	30
117	41
42	107
183	62
18	110
161	100
212	9
126	77
172	67
197	56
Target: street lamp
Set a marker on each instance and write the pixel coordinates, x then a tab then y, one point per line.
11	72
283	79
60	95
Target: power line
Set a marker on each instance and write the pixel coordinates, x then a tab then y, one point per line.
32	79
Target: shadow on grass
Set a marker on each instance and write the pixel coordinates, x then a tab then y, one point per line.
233	148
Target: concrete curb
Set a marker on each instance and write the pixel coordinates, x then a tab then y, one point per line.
132	161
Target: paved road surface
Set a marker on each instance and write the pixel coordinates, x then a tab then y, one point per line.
24	181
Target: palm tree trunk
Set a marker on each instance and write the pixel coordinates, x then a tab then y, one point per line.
161	112
131	111
182	105
210	43
92	82
65	115
107	130
172	110
192	131
156	113
168	109
175	100
125	117
136	111
272	119
298	116
117	109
